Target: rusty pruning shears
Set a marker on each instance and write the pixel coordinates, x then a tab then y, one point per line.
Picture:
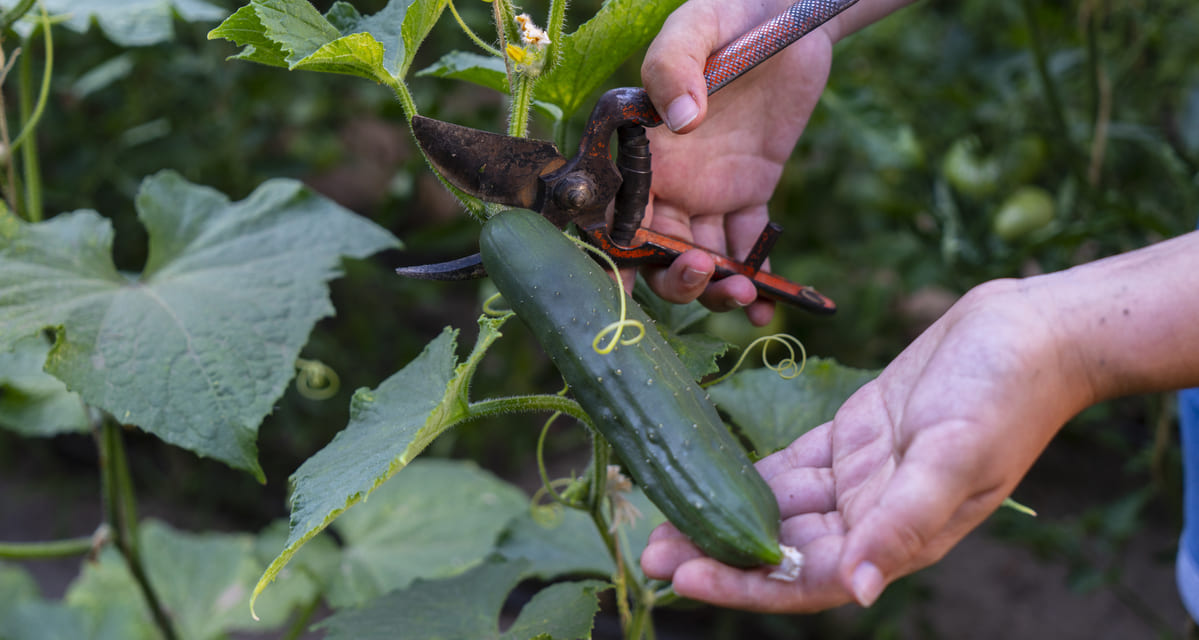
533	174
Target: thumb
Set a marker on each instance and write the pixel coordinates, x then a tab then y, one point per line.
673	69
902	532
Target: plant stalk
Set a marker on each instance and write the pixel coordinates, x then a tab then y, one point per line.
11	16
297	628
119	502
31	114
46	550
526	404
522	105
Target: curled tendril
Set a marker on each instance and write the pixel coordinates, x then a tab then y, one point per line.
548	487
616	328
787	368
490	309
316	380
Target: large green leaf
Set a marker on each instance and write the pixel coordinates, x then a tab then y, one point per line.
592	53
567	544
294	35
773	411
202	579
389	426
33	402
129	23
437	519
198	347
467	607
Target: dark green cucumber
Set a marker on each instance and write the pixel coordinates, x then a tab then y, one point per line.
658	420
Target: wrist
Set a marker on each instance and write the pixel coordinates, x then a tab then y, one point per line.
1126	324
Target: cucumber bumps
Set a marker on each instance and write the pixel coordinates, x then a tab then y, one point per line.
641	397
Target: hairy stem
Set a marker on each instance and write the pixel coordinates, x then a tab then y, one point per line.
527	404
555	24
522	104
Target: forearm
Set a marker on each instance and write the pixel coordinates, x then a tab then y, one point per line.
861	15
1130	323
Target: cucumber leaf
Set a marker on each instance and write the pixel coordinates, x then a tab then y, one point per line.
129	23
33	402
485	71
294	35
773	411
199	346
203	580
469	606
590	55
437	519
561	542
389	426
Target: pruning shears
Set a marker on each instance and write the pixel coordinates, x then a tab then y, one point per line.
533	174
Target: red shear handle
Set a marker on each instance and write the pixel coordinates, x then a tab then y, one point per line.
769	38
655	248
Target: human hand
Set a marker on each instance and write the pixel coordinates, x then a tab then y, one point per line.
712	185
910	464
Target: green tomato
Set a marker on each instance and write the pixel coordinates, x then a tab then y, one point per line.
1024	211
968	171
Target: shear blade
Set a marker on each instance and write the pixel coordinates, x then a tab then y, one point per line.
467	268
491	167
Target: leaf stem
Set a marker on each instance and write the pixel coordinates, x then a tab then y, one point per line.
555	24
526	404
46	550
11	16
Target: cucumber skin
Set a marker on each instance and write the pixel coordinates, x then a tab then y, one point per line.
641	397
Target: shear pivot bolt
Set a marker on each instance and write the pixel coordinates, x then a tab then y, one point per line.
574	192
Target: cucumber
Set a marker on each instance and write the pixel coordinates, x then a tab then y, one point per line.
641	398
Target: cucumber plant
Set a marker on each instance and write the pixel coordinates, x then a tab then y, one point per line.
180	353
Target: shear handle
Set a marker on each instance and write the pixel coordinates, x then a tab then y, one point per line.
651	247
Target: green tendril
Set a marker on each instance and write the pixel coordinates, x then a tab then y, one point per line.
471	34
316	380
788	368
1020	508
616	328
490	309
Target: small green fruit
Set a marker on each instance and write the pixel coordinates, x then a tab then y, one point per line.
1024	211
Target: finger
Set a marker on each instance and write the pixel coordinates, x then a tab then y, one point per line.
812	449
910	514
727	294
817	588
804	490
685	279
673	69
666	551
760	312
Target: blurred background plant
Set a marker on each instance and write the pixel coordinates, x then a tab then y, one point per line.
956	143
